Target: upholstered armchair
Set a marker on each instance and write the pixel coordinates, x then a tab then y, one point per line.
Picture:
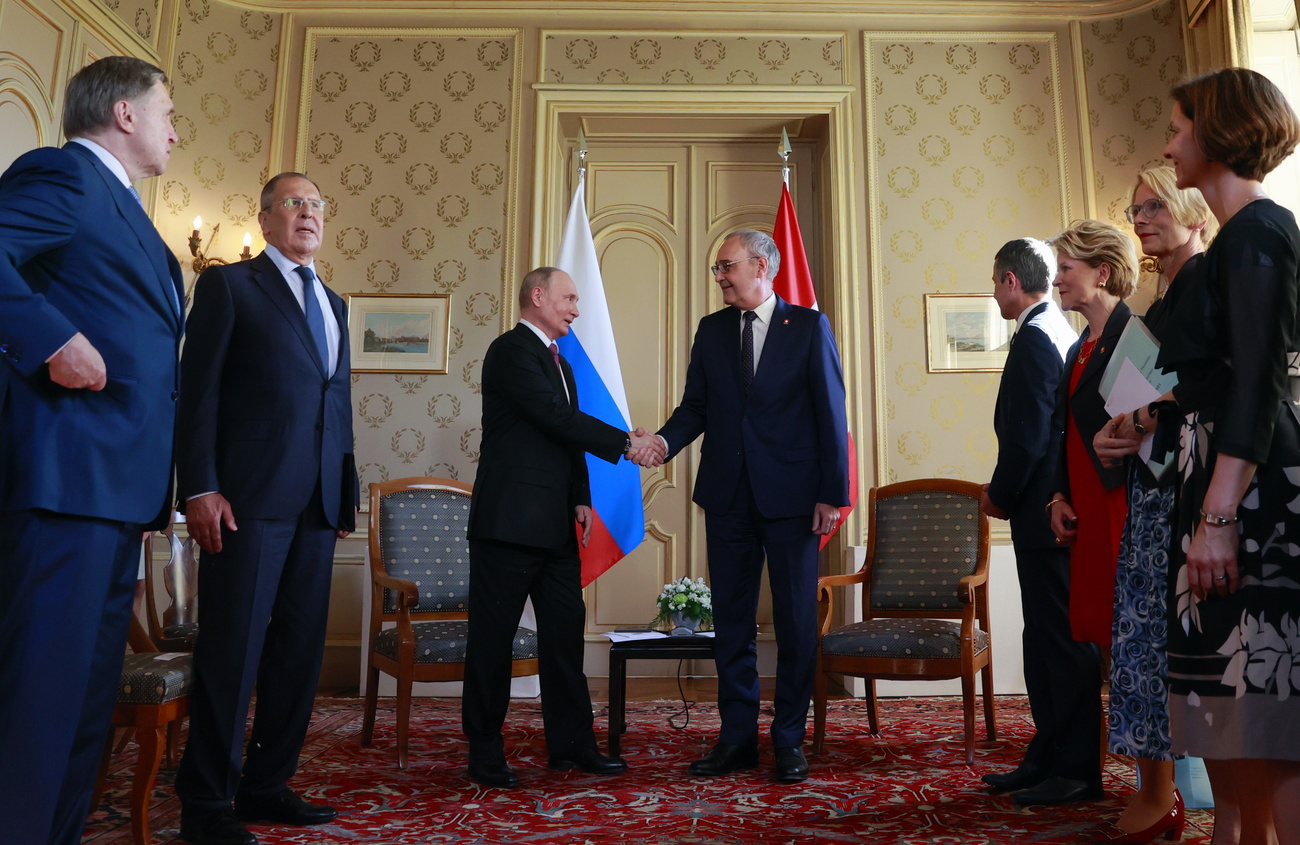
419	571
925	611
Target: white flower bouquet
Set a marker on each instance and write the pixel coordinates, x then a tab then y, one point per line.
686	599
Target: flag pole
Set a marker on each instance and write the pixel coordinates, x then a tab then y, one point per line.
784	152
582	154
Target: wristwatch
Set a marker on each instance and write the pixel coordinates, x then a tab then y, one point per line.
1137	426
627	447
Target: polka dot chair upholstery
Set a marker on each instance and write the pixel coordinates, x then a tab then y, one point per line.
924	613
419	569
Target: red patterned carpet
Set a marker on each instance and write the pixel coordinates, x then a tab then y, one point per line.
909	785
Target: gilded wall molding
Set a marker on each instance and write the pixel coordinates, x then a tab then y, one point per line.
1018	9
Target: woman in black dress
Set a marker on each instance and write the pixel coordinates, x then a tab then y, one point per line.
1234	613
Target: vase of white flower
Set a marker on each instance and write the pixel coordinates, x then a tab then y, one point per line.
686	604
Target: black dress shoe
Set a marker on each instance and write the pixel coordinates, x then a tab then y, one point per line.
1059	790
1022	777
590	761
493	773
791	766
726	758
215	827
283	807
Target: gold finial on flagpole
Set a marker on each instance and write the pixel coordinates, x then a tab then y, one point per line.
582	153
784	152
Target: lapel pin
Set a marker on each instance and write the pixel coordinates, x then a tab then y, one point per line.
785	322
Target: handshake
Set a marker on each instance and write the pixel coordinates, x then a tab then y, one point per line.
647	450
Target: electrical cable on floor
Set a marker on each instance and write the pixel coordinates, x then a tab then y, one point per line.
685	714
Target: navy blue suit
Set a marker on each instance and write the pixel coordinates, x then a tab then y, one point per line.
81	472
770	455
1062	676
262	423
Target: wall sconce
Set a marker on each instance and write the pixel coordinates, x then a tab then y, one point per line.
199	250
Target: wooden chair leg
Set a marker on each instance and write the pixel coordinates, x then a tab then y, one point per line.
873	721
986	682
403	718
173	744
819	707
151	742
372	703
968	711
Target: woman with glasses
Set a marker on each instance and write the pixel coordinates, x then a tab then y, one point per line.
1234	633
1097	269
1173	227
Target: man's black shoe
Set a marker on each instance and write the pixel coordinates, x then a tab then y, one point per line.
726	758
791	765
215	827
493	773
590	761
1022	777
283	807
1059	790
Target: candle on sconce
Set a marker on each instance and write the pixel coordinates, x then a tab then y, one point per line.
198	224
248	243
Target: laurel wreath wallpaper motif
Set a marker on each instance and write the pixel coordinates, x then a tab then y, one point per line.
967	148
415	135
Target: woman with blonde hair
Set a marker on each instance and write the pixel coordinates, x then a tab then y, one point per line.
1173	227
1097	269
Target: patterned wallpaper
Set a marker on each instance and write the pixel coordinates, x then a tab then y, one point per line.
696	58
1129	66
410	136
965	144
142	16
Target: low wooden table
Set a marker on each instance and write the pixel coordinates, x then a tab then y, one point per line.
663	648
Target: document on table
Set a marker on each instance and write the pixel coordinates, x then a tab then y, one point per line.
628	636
1132	380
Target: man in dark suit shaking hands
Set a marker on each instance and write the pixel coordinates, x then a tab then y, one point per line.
531	499
1061	675
90	322
764	387
264	465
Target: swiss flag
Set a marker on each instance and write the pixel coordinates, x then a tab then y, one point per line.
793	283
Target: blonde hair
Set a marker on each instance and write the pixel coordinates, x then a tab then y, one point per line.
1186	205
1096	243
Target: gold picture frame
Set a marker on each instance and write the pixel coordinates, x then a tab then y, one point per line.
965	333
399	332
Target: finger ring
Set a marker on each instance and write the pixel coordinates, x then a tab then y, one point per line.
1221	578
1059	541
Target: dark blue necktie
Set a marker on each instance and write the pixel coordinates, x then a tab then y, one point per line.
747	350
315	321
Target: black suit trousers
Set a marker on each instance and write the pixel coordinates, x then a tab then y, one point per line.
738	540
1062	675
502	577
263	607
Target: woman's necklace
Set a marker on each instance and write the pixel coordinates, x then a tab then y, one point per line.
1085	351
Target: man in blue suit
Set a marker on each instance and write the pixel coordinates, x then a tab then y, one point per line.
764	387
265	469
90	323
1061	675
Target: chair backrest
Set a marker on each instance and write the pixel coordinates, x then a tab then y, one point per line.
419	532
172	586
923	537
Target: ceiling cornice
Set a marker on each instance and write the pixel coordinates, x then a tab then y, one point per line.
1018	9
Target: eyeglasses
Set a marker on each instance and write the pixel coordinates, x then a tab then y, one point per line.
724	267
1150	208
294	203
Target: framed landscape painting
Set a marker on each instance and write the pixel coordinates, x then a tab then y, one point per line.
399	332
965	333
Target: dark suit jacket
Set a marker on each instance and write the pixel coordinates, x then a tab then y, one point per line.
1087	405
259	419
790	432
78	253
531	468
1022	421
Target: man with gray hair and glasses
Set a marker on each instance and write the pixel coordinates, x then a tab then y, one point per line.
90	324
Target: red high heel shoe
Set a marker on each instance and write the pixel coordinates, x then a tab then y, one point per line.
1171	824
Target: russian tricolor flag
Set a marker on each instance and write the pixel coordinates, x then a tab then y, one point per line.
619	514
